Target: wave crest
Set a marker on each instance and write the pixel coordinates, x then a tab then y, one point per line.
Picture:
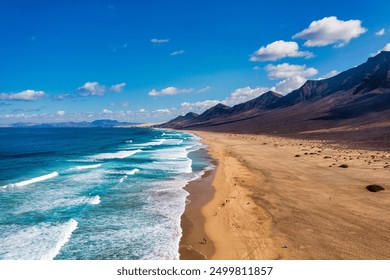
117	155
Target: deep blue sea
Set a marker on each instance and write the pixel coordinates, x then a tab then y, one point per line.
95	193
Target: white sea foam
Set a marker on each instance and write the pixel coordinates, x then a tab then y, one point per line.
46	205
173	153
167	200
122	179
132	172
65	236
33	180
157	142
40	242
117	155
174	141
173	159
82	167
94	200
171	134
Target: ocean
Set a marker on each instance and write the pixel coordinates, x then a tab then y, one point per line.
95	193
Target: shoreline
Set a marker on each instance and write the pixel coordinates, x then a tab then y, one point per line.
283	198
192	245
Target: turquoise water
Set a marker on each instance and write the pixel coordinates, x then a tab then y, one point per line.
94	193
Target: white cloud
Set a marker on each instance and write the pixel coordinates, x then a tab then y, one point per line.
106	111
289	84
385	48
26	95
238	96
92	89
177	52
380	32
125	104
96	89
329	75
203	89
158	41
256	68
162	111
285	70
331	31
169	91
60	113
142	110
117	87
200	105
277	50
244	94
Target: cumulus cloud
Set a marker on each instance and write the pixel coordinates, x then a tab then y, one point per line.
294	76
329	75
162	111
385	48
238	96
177	52
289	84
92	89
159	41
60	113
200	105
380	32
169	91
97	89
286	70
26	95
106	111
243	94
278	50
330	31
118	87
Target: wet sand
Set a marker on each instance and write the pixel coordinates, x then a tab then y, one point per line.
195	244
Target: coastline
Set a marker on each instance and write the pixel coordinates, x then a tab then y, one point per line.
283	198
192	245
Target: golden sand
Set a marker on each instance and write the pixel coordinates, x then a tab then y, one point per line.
279	198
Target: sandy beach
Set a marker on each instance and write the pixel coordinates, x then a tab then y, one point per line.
282	198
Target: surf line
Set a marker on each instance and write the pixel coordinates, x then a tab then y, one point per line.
35	180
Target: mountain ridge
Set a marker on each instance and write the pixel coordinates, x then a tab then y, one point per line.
357	97
107	123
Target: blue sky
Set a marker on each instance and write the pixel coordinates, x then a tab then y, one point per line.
68	60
